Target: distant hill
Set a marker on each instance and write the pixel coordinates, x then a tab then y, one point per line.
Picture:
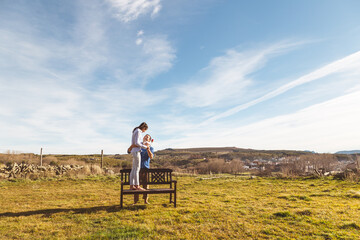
205	149
228	150
349	152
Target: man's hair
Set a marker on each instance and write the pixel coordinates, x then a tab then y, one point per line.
148	135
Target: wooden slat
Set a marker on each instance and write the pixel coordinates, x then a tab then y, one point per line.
150	191
154	175
149	170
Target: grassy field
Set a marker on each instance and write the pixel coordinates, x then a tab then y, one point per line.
226	207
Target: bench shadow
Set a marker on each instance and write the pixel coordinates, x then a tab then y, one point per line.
135	207
49	212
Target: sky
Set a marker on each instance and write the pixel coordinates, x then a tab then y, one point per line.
76	76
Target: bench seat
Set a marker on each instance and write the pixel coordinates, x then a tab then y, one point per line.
149	191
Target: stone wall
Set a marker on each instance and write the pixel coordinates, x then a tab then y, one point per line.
24	170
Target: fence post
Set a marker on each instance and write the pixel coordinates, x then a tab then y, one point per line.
40	156
102	158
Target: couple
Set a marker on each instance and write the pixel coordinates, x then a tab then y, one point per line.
142	153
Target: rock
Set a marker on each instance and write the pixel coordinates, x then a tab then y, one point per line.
41	168
32	171
109	172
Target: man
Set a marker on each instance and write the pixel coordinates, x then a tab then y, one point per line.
146	155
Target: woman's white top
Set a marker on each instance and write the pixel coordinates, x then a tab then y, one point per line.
137	140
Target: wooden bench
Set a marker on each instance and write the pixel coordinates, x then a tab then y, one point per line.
154	176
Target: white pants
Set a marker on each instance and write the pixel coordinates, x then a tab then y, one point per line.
134	174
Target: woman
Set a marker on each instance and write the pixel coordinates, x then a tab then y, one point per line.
146	155
135	151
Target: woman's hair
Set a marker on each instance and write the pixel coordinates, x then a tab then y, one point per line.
143	125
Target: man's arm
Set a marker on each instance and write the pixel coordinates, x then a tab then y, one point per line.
151	155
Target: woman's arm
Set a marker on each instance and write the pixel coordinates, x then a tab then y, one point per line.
131	147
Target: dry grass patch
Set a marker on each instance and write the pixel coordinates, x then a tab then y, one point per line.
215	208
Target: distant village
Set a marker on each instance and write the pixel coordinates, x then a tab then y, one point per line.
276	163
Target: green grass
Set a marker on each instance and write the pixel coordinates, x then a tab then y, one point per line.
220	208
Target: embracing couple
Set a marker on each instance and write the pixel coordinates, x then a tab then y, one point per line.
142	152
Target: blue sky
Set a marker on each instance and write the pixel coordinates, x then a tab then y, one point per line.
78	76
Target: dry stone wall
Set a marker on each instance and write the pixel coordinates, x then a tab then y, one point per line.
24	170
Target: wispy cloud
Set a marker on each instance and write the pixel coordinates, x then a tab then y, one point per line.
318	119
158	56
129	10
79	94
351	62
331	122
226	78
80	83
323	127
138	41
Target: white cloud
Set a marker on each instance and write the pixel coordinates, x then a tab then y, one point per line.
325	127
74	96
353	89
156	10
347	64
158	56
138	41
86	90
225	79
129	10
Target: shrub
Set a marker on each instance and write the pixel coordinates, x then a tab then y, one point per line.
282	214
53	163
85	170
218	165
350	226
47	160
126	164
354	194
95	169
304	213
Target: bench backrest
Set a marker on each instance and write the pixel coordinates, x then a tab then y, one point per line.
151	176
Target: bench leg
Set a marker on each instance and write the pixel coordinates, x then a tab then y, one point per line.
171	193
175	195
121	201
121	196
